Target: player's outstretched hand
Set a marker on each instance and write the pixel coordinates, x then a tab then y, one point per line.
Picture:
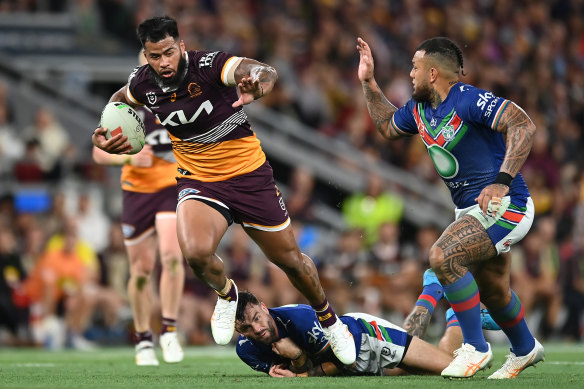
249	90
281	371
117	144
492	195
366	65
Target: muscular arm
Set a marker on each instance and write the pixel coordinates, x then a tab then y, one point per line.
519	131
254	78
417	321
380	109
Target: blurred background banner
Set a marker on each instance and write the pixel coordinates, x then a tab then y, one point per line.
365	209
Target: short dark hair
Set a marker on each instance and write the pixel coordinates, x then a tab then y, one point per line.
243	300
156	29
445	49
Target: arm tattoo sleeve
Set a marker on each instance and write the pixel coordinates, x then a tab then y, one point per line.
417	322
380	110
519	131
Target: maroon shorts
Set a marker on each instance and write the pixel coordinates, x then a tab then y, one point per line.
252	199
139	210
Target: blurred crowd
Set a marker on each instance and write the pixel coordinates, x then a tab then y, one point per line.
531	52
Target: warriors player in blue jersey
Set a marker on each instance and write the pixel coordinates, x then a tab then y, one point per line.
288	341
223	174
478	142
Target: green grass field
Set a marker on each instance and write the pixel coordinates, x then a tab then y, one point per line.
218	367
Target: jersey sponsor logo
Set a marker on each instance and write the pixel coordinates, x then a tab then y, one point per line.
151	96
462	88
456	185
186	192
445	163
181	118
158	137
491	107
242	341
128	230
207	60
173	97
484	99
314	334
194	89
433	122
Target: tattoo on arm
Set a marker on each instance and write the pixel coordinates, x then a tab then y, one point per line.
519	131
380	110
464	243
417	322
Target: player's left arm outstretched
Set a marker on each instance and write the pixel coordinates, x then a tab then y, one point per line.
519	131
254	80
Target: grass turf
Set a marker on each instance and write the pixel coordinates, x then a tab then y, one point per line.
219	367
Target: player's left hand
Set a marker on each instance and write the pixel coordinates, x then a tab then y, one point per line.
493	195
281	371
249	90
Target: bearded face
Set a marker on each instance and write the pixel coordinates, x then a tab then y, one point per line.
171	83
422	92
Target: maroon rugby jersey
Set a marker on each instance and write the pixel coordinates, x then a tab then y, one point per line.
163	171
211	140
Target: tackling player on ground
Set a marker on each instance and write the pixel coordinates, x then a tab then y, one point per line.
224	176
478	143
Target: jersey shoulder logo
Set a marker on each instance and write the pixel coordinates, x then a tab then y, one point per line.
151	96
207	60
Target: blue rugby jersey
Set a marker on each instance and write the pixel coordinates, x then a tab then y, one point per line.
461	139
298	322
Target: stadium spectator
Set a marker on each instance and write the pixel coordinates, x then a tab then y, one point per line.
369	209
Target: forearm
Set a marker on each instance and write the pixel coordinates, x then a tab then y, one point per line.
380	109
417	321
265	75
519	131
104	158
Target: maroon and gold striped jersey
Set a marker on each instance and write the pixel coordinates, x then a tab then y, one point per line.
211	140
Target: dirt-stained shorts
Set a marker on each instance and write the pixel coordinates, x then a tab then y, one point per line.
252	199
139	211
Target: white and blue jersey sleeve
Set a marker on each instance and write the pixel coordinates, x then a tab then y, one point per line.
403	122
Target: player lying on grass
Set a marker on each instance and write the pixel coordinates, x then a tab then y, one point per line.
288	341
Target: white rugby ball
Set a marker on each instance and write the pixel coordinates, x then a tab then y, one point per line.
119	118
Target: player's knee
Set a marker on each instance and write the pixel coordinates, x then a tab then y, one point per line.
496	297
436	257
289	260
198	253
170	261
